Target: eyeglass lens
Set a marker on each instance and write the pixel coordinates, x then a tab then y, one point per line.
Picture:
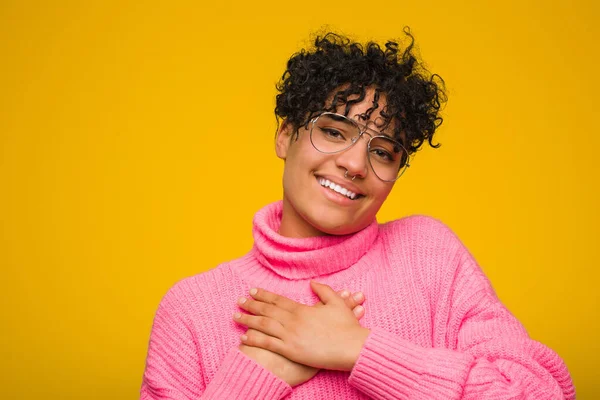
333	133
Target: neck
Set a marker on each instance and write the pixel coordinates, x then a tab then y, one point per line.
305	257
294	226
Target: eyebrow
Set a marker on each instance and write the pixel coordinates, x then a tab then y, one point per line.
342	118
379	133
339	118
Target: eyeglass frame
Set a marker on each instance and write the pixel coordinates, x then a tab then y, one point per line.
355	140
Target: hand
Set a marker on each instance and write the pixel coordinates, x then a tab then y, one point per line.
291	372
326	335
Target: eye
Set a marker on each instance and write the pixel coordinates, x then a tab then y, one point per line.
332	133
382	155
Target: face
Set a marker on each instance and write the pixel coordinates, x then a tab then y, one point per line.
310	208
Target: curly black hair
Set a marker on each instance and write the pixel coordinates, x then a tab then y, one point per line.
413	95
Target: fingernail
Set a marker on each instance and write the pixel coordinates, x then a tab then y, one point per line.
244	338
358	310
358	296
253	291
345	294
242	300
237	315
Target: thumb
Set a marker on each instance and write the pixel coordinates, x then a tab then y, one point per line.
325	293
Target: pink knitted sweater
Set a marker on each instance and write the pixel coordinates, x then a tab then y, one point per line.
437	328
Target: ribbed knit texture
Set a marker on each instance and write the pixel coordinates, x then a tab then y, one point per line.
437	328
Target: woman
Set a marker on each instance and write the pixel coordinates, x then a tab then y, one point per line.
271	325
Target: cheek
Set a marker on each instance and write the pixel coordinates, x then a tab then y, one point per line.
385	192
379	195
296	172
303	160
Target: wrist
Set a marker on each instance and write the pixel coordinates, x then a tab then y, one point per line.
358	341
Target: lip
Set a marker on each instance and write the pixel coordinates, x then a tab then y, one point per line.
342	182
337	198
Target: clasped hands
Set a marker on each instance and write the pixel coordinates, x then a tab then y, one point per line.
294	340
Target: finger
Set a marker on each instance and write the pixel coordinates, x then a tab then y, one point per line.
263	324
256	338
325	293
265	309
344	294
274	299
350	302
359	312
358	297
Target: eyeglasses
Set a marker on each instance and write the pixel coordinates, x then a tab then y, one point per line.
333	133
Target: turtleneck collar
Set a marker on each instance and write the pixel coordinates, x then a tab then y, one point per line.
305	258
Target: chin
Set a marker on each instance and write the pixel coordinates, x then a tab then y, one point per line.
330	220
338	228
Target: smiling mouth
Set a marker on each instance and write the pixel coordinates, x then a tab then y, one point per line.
339	189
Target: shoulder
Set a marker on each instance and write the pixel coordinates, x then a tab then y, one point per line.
424	242
418	220
419	229
189	292
428	249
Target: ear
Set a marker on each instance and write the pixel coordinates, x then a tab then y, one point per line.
284	135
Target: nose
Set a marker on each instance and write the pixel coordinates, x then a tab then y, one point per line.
354	159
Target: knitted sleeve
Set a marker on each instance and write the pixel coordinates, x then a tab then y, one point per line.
174	369
485	354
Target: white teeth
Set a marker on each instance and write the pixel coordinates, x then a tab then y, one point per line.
337	188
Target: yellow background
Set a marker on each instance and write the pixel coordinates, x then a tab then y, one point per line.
137	143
